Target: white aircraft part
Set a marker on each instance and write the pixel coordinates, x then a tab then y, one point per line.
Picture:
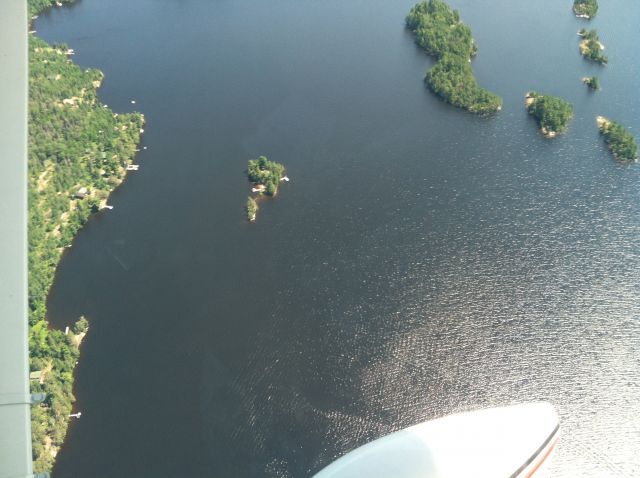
506	442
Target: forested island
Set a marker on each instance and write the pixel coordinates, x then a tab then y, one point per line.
78	150
592	82
591	47
252	208
585	8
439	31
266	177
621	143
552	113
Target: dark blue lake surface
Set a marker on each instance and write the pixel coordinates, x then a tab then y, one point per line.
421	261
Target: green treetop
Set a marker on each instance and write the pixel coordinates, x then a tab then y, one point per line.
81	326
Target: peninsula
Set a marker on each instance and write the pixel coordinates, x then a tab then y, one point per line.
78	153
621	143
552	113
585	8
439	31
266	177
591	47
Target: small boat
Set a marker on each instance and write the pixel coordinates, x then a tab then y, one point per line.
108	207
284	178
509	442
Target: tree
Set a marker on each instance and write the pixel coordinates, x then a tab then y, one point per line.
272	188
81	326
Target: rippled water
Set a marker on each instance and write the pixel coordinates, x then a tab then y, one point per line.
421	261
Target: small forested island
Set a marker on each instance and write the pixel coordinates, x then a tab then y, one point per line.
439	31
266	177
621	143
78	153
591	47
553	113
592	82
252	208
585	8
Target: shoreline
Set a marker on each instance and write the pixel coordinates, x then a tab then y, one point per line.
64	195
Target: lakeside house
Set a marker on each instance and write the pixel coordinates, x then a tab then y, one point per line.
81	193
37	375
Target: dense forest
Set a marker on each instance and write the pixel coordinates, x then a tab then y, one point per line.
552	113
439	31
591	47
78	150
585	8
621	143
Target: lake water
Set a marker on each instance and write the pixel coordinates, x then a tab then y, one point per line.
421	261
